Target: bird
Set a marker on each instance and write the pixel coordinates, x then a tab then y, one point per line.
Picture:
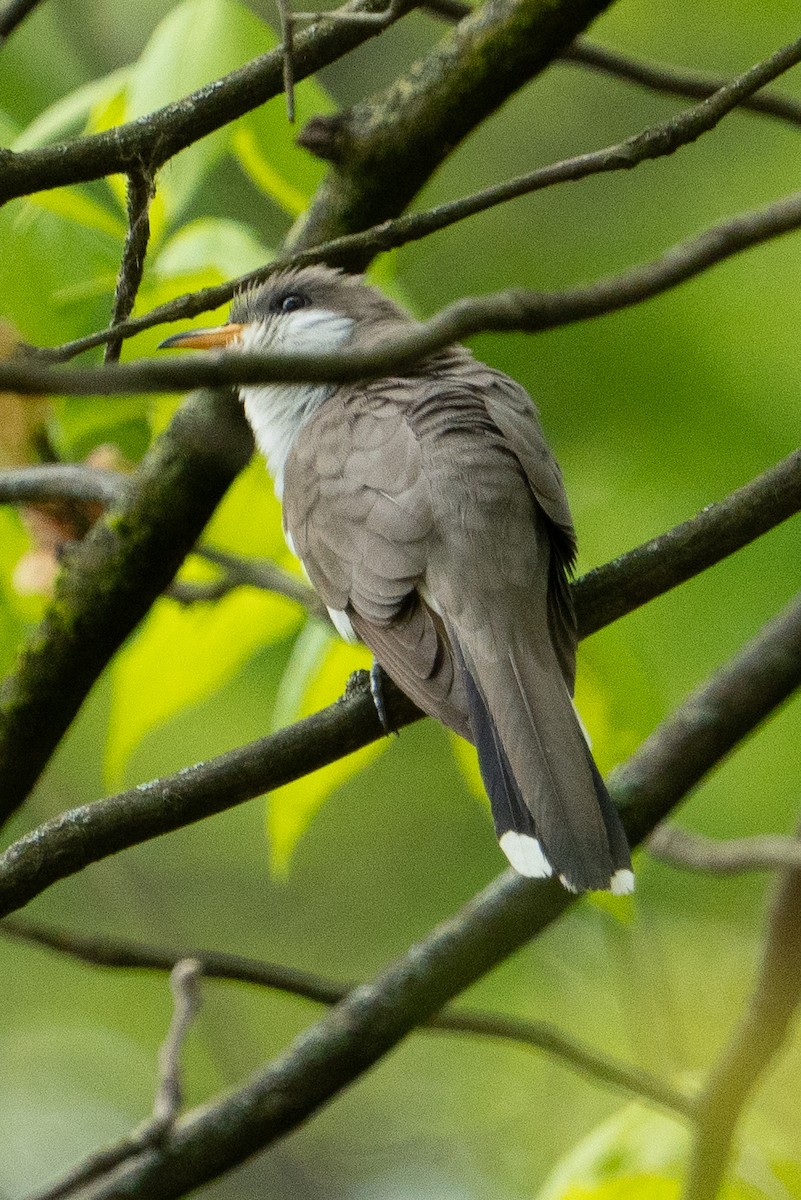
431	517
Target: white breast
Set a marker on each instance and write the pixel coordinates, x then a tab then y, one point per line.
277	411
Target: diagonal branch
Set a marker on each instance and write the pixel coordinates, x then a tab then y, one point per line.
674	81
515	310
13	14
105	827
384	149
601	596
365	1026
536	1035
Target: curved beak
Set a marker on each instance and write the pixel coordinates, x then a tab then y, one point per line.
203	339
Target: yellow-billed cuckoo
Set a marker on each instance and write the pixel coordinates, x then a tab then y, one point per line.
431	517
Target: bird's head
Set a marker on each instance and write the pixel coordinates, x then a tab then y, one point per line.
313	309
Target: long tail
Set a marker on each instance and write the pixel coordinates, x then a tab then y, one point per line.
551	809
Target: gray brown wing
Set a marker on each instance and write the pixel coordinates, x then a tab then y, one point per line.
357	509
513	411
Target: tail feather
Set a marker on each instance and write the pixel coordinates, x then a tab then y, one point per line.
539	773
514	824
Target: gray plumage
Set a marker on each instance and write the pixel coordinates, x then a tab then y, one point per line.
431	517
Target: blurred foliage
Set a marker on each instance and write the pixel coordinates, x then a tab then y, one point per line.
653	413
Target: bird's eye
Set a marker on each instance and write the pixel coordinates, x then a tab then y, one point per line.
290	302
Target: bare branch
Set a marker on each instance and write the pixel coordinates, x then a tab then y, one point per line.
60	481
537	1035
386	147
141	190
601	596
184	979
184	983
694	852
375	1017
261	573
509	311
755	1042
674	81
288	36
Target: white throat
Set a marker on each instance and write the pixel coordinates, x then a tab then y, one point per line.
277	411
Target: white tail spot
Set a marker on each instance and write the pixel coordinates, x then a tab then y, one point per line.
525	854
622	883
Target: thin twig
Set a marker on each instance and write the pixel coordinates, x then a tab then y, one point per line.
761	1031
263	574
660	140
674	81
371	1021
287	21
537	1035
694	852
184	984
185	987
141	190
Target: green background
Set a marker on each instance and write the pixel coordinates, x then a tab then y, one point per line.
653	413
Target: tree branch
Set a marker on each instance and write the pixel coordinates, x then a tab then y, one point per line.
604	595
362	1028
515	310
184	984
13	15
141	190
537	1035
694	852
757	1039
601	596
674	81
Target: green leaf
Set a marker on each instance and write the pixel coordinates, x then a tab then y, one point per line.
264	143
212	244
315	676
71	113
75	204
632	1143
51	253
628	1187
199	41
183	654
8	129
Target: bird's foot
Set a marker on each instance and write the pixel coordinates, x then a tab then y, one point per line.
377	677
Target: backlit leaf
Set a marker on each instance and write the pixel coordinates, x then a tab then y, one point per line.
315	676
197	42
